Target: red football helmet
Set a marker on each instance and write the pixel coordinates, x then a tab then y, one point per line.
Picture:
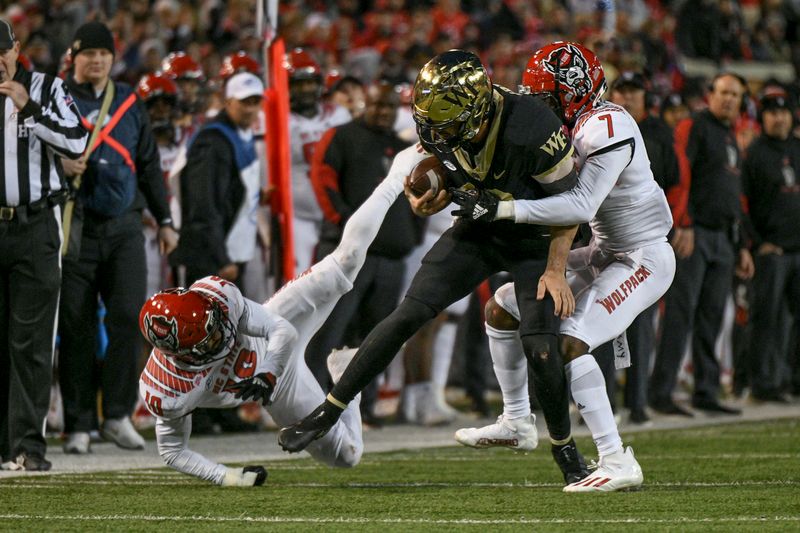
156	84
567	72
186	325
179	66
238	62
301	65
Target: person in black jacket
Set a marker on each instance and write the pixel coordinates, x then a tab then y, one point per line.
219	188
630	91
121	174
706	209
770	178
343	177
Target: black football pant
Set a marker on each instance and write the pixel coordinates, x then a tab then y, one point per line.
641	342
695	303
376	291
30	281
464	256
112	266
776	285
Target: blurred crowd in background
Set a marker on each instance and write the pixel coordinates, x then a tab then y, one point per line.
674	49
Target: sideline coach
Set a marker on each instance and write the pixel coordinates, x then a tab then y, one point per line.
38	122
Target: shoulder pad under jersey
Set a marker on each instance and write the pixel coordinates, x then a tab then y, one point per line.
224	292
602	129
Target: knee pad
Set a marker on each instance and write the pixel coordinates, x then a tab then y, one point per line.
545	360
349	455
549	382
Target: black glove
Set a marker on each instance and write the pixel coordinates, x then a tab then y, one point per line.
259	388
476	204
260	471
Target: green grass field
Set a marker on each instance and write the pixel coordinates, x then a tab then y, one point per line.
723	478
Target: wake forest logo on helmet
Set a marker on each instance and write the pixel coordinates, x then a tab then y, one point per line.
570	68
162	331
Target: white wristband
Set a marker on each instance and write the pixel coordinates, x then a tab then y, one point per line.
505	209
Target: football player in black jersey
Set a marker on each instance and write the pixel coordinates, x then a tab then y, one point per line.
496	145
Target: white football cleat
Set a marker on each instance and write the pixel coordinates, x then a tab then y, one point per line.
514	433
617	471
120	431
338	361
77	443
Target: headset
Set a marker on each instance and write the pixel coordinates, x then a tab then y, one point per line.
745	95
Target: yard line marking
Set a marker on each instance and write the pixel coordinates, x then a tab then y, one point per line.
364	520
472	456
59	483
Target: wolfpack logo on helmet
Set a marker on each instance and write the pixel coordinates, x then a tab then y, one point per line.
571	68
162	331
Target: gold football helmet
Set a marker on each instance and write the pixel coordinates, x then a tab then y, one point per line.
452	98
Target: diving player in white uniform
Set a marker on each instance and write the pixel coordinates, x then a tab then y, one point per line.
215	348
626	268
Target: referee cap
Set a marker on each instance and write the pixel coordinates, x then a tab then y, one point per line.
7	36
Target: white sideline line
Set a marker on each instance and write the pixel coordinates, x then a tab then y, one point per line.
474	456
364	520
59	483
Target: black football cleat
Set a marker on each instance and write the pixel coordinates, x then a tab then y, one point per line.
570	461
298	436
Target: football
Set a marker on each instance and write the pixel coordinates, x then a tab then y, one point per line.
427	174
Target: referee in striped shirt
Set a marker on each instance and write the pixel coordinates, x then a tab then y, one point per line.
38	123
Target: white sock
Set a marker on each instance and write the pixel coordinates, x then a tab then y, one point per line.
411	394
443	354
589	392
511	369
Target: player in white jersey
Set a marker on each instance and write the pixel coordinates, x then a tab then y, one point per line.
308	120
215	348
626	268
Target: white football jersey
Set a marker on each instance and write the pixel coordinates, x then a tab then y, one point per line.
304	133
616	192
261	342
635	212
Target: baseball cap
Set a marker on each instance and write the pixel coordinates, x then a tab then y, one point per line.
7	36
629	78
775	100
243	85
672	101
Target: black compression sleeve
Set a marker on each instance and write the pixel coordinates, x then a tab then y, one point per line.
380	347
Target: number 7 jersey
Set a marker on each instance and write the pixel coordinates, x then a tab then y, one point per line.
635	212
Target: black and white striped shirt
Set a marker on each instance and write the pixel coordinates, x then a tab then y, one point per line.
34	137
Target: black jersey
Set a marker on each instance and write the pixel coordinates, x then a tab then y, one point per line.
523	155
527	155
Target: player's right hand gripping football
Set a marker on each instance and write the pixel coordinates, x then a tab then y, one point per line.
426	205
249	476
